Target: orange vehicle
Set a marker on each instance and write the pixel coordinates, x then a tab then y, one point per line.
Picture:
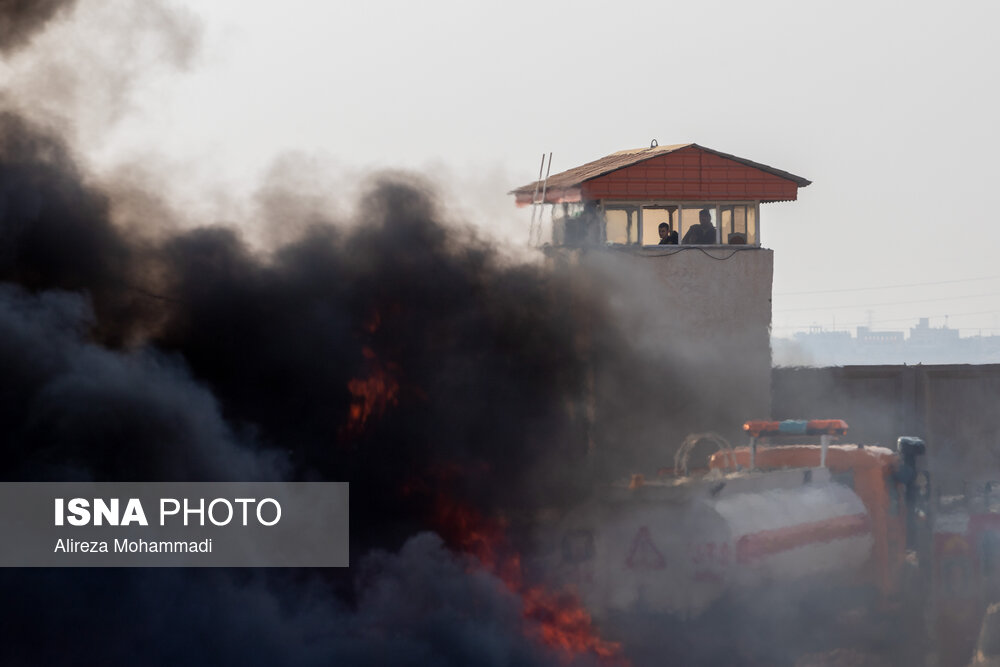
873	473
817	527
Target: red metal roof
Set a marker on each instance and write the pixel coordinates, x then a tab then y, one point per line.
675	179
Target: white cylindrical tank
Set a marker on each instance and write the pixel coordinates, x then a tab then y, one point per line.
677	547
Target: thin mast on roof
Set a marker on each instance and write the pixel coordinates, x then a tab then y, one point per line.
535	201
545	185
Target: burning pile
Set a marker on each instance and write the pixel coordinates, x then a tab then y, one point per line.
370	351
195	358
559	618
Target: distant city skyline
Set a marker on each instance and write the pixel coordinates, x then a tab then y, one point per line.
923	343
949	303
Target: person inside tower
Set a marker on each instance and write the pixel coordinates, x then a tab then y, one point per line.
704	232
667	236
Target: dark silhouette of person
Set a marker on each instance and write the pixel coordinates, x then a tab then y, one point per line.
667	235
704	232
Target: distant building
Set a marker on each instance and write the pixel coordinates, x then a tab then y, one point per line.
924	345
925	336
879	338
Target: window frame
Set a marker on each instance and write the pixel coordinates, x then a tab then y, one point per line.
635	207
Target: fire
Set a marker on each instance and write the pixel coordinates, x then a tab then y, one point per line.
372	395
558	618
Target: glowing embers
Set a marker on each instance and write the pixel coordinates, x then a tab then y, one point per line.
557	618
373	395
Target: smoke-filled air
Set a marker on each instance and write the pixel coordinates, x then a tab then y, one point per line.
397	351
513	421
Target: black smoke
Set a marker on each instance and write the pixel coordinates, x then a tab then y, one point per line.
191	355
73	409
417	607
484	356
20	20
56	233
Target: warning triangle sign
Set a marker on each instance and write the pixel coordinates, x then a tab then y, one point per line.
643	554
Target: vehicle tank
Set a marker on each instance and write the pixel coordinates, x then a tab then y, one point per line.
677	546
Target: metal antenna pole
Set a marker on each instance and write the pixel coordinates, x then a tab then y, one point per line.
534	202
545	185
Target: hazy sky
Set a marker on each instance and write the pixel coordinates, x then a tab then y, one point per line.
890	108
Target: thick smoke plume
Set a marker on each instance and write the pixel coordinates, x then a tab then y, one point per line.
83	71
73	409
484	358
397	350
399	353
20	20
417	607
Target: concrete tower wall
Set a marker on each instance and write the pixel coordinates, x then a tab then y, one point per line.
700	319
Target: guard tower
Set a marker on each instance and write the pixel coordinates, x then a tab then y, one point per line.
699	303
623	198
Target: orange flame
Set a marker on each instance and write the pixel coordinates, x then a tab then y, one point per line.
560	618
373	395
